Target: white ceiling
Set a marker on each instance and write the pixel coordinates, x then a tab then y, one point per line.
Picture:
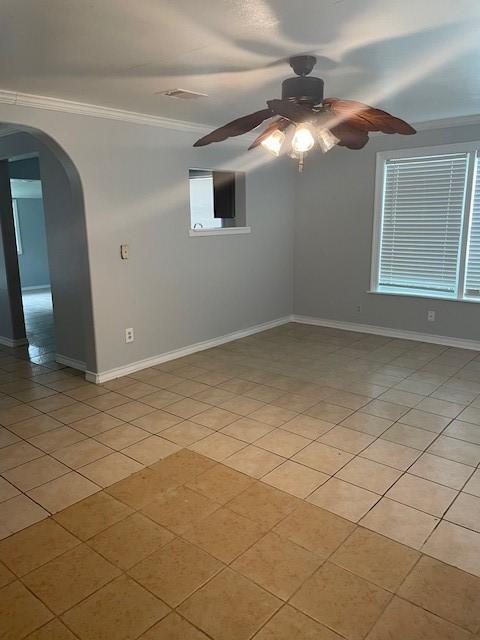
417	58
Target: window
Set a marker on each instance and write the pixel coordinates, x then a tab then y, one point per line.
427	223
217	200
16	223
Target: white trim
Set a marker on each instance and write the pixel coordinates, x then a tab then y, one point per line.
403	334
111	374
223	231
424	296
70	362
445	123
35	287
10	342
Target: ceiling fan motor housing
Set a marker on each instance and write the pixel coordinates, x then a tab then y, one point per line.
303	89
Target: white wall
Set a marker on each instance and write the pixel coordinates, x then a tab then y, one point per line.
174	290
333	243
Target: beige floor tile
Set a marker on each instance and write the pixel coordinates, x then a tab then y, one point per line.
217	446
115	543
160	398
225	534
422	494
7	437
73	412
332	413
220	483
423	420
130	411
173	627
92	515
404	398
7	490
242	405
139	489
447	472
369	475
294	402
465	511
342	601
62	492
347	439
456	450
110	469
186	433
54	630
35	545
36	472
377	559
100	615
315	529
307	426
383	409
178	509
215	418
247	430
138	390
17	513
455	545
106	401
404	620
289	623
323	458
180	467
295	479
263	504
464	431
81	453
17	454
157	421
151	450
57	439
346	399
392	454
283	443
96	424
213	396
254	461
230	606
56	401
6	576
122	436
445	591
186	408
400	522
273	415
409	436
34	426
20	612
470	414
441	407
16	414
473	485
177	570
366	423
278	565
344	499
68	579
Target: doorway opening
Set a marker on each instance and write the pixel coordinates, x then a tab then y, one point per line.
32	254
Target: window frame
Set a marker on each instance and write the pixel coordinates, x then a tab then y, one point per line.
16	225
472	149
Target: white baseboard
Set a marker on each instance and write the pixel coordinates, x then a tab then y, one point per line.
10	342
111	374
447	341
70	362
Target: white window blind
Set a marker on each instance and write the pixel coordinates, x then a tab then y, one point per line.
421	225
472	281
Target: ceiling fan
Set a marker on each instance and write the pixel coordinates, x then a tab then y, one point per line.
305	115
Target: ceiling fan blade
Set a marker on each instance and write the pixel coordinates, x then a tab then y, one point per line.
349	136
280	124
292	110
367	118
235	128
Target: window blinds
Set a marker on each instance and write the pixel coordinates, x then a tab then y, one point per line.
472	282
423	205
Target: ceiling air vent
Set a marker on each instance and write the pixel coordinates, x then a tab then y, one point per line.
183	94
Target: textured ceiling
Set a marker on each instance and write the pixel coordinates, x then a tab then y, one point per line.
419	58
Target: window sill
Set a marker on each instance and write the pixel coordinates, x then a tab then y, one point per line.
225	231
423	296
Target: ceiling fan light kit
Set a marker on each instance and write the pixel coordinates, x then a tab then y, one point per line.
316	120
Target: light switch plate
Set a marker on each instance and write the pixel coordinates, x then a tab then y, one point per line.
124	251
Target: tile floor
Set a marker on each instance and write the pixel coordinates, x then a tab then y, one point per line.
304	482
39	325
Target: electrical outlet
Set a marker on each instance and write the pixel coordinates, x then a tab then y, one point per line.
124	251
129	335
431	316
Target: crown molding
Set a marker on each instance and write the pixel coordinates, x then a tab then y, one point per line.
97	111
445	123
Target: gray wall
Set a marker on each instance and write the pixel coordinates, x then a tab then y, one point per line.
174	290
33	261
333	243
